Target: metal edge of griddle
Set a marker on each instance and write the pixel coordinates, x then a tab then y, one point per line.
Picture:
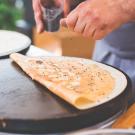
82	119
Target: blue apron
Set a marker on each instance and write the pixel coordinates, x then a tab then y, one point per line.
118	49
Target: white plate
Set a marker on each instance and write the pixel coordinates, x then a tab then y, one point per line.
11	42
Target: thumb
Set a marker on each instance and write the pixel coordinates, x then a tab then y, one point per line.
63	22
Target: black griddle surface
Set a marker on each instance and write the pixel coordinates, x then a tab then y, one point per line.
28	107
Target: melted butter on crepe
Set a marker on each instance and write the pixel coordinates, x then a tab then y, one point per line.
73	79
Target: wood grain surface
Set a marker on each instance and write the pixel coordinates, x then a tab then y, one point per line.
127	120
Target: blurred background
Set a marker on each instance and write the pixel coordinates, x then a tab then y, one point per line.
17	15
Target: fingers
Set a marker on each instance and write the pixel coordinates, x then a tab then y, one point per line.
102	32
95	32
80	25
75	21
87	22
91	27
38	15
89	30
83	25
71	20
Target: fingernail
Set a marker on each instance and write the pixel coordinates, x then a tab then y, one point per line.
63	23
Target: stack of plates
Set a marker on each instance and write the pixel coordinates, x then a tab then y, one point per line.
11	42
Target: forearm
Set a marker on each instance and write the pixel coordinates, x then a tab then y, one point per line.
128	6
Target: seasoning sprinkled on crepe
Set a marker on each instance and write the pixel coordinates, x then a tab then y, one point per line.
75	80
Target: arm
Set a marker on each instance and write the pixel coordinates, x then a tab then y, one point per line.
97	18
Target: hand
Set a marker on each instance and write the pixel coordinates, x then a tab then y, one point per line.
37	6
97	18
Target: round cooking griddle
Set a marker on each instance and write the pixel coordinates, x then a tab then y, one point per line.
106	132
11	42
28	107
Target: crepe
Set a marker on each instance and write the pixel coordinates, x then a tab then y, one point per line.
75	80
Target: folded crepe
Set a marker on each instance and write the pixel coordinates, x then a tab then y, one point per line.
75	80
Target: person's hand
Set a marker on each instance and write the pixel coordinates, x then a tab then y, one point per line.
97	18
37	7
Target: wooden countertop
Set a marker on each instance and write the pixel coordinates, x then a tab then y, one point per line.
127	120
